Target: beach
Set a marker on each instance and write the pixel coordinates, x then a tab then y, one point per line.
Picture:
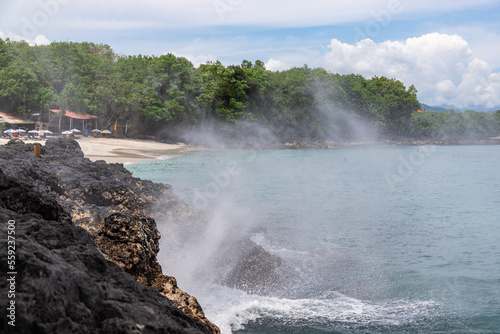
113	150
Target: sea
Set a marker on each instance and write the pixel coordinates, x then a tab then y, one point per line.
379	239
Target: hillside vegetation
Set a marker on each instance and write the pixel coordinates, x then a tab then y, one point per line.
167	95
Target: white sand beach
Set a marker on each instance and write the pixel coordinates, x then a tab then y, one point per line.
114	150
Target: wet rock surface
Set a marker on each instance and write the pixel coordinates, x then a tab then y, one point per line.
65	285
253	269
119	214
104	199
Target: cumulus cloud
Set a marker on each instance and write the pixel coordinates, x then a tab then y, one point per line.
442	67
37	40
196	60
276	65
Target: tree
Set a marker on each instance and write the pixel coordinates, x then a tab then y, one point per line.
3	54
23	85
392	105
167	91
223	91
496	123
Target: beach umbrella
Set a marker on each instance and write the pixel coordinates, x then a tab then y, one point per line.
10	131
66	132
33	131
20	130
96	130
75	130
48	132
107	132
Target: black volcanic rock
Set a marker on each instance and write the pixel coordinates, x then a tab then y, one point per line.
104	199
64	285
63	191
249	268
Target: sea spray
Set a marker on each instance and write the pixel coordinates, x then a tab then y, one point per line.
364	258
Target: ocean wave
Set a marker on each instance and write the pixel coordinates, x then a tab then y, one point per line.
239	310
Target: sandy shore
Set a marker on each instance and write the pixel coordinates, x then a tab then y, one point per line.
120	150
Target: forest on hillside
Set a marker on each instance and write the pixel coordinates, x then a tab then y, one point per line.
167	96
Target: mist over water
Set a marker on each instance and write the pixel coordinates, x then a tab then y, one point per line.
379	239
343	126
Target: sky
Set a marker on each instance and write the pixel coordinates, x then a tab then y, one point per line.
449	49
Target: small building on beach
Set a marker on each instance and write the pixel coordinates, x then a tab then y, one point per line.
73	120
11	121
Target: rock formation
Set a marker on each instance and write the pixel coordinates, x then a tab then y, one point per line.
64	285
102	198
67	191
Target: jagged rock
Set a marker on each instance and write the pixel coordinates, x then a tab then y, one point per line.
61	147
251	269
119	212
20	197
132	243
167	285
103	198
64	285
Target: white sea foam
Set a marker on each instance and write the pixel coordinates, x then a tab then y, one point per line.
260	239
236	310
357	256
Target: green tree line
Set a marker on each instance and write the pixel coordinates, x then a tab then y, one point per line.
153	93
452	126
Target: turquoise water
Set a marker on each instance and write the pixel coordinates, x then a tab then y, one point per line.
385	239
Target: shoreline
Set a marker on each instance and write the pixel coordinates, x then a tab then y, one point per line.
126	151
411	142
117	150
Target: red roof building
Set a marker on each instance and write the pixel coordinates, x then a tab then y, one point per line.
73	115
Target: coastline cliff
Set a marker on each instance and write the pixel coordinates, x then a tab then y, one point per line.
87	244
83	235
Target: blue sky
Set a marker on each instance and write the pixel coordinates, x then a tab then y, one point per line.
448	49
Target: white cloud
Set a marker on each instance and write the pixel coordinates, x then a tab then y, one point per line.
37	40
442	67
246	29
484	39
196	60
196	13
276	65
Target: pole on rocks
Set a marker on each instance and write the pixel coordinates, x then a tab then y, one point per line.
37	150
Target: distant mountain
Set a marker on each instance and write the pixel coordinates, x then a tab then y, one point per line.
444	107
434	108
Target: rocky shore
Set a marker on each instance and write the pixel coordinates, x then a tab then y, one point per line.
87	245
308	145
304	145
